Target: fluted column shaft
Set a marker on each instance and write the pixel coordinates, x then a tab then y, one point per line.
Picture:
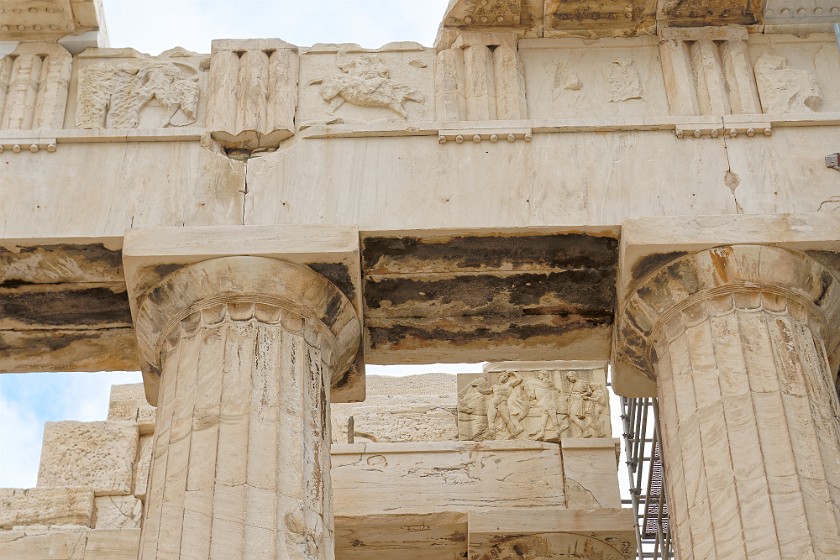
750	433
241	463
749	414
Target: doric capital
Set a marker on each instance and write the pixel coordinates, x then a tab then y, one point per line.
745	276
245	287
183	277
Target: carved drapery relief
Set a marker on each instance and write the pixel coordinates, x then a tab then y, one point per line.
33	87
252	92
366	81
113	96
566	546
481	78
542	405
784	89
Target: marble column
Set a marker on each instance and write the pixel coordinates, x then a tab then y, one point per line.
246	349
737	338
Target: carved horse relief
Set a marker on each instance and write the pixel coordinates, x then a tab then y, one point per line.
113	96
365	81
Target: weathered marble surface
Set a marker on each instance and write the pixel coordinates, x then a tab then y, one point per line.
413	408
426	477
97	455
45	506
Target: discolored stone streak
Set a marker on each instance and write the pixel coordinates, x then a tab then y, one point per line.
651	263
577	289
92	306
338	274
51	264
398	334
384	255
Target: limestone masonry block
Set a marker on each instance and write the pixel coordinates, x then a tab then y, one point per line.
117	512
20	545
99	455
412	408
128	403
141	466
112	544
590	468
45	506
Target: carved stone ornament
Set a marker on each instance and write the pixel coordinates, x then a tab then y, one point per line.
365	81
484	12
567	546
717	12
784	89
113	96
542	405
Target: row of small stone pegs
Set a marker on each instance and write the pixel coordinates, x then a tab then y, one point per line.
715	132
493	138
34	148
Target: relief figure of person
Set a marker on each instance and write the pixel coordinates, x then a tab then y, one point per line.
544	392
578	393
594	408
498	408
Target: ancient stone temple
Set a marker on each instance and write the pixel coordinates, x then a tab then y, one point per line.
636	192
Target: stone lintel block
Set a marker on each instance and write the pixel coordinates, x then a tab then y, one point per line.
607	531
149	255
590	471
427	477
725	33
97	455
117	512
650	243
45	506
40	545
112	544
428	536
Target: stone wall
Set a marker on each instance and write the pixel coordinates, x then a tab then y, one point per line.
405	464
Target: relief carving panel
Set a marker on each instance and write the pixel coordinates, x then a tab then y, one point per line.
117	94
344	83
784	89
545	403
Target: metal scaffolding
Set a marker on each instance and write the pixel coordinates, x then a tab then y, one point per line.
640	420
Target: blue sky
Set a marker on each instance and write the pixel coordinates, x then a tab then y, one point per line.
152	26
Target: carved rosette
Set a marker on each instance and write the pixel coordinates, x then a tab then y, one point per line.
738	338
246	348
